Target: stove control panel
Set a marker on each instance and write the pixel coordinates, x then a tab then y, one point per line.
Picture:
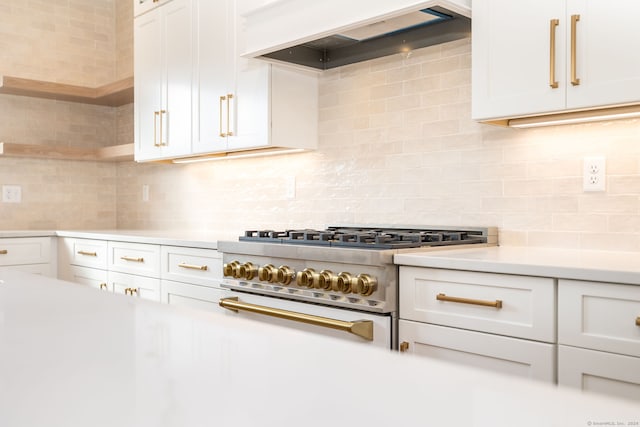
308	278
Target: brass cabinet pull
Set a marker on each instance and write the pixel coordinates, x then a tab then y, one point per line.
229	132
103	286
155	128
162	143
497	303
87	253
193	267
404	346
361	328
130	291
553	24
638	321
222	133
132	259
574	23
3	251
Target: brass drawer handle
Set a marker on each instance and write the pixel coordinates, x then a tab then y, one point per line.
404	346
87	253
193	267
638	321
3	251
132	259
103	286
361	328
130	291
497	303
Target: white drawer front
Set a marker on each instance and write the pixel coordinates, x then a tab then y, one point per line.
596	371
25	250
135	258
191	265
601	316
92	277
135	286
205	298
528	303
505	355
41	269
88	253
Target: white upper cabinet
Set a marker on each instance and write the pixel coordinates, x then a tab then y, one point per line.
554	56
163	74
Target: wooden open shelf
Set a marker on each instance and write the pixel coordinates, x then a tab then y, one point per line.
113	153
113	94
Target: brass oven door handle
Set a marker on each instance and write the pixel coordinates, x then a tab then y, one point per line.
132	259
361	328
193	267
497	303
553	25
574	23
3	251
87	253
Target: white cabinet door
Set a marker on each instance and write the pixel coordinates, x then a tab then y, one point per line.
92	277
596	371
607	60
213	76
512	58
505	355
143	6
163	75
135	286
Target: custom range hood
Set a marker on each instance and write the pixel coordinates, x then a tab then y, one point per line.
330	33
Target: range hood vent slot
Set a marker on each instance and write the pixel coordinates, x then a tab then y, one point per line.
402	34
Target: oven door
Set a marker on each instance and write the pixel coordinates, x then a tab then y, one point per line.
366	328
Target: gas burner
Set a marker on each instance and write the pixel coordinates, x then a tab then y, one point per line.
369	237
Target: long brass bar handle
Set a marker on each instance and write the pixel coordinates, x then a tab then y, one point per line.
87	253
229	132
361	328
497	303
162	143
155	128
638	321
193	267
574	23
222	133
3	251
132	259
553	24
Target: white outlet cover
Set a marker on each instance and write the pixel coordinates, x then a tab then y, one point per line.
594	173
11	194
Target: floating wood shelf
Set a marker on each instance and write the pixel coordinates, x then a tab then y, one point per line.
113	94
113	153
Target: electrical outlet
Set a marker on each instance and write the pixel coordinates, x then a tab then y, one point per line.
11	194
290	190
593	174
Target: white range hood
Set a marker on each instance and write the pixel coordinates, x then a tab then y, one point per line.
331	33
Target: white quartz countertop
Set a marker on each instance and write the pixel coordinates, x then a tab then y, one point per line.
618	267
74	356
202	239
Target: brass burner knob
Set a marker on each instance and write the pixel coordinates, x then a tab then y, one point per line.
285	275
342	283
247	271
364	284
267	273
323	280
305	278
229	268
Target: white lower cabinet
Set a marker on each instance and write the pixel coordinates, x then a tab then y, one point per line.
500	322
615	375
193	296
29	254
506	355
92	277
135	286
